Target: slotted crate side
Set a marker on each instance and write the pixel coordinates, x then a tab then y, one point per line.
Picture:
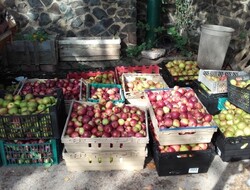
36	153
103	144
239	96
119	70
24	52
104	161
181	135
41	125
217	86
231	148
89	49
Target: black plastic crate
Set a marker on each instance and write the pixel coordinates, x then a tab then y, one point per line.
239	96
32	152
210	101
182	81
35	126
231	148
178	163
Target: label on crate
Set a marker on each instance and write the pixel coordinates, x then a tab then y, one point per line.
193	170
218	151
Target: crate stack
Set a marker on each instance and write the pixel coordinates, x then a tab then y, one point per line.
30	128
179	146
96	139
212	85
233	137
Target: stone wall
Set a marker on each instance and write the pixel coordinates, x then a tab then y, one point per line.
231	13
76	18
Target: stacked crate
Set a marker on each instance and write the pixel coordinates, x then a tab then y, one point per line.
96	150
179	149
32	138
232	140
212	85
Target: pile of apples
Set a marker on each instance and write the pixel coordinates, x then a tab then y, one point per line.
183	147
188	70
70	87
103	93
104	78
233	122
106	120
18	105
178	107
240	83
142	83
216	78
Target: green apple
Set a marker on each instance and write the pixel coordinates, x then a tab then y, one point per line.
239	133
1	101
46	100
41	107
233	82
184	148
23	104
17	97
228	133
246	131
241	125
8	97
11	105
28	96
3	111
13	111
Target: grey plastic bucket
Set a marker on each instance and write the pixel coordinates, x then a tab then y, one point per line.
214	42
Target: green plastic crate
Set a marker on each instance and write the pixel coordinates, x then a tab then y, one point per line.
99	85
20	153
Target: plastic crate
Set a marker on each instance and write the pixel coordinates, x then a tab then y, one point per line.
216	86
104	144
181	135
37	153
137	97
232	148
105	161
110	86
177	163
34	126
210	101
179	80
239	96
119	70
87	75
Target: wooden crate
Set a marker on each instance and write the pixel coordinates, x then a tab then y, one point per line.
25	52
89	48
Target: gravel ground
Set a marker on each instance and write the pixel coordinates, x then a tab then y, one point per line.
221	176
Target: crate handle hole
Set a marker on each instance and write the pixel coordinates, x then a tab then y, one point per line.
111	145
99	145
121	145
187	133
90	145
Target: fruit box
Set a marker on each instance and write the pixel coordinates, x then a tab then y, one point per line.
210	101
92	74
231	148
81	95
36	152
181	135
219	86
105	161
186	162
119	70
110	86
137	97
179	80
103	144
239	96
34	126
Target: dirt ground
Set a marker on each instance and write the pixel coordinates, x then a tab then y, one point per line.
220	176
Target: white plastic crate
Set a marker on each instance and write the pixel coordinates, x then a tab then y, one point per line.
104	144
216	86
137	97
181	135
105	161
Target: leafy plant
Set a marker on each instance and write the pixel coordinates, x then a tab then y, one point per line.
39	35
134	51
